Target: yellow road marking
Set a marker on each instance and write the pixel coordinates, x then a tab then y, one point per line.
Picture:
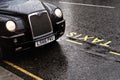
73	41
71	34
97	40
116	53
77	36
23	70
86	38
107	44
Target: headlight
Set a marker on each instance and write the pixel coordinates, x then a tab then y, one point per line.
58	13
11	26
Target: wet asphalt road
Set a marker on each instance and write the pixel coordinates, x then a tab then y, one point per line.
85	59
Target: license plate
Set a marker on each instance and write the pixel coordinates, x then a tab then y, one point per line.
44	41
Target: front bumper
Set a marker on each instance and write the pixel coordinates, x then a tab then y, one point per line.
21	42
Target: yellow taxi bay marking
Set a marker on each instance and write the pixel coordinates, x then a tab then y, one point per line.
116	53
106	44
86	38
71	34
74	42
23	70
98	41
78	36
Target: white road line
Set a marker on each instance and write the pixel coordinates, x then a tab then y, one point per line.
89	5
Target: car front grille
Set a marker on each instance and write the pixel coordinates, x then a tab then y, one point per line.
40	24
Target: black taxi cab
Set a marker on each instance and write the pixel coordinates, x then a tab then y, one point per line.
28	24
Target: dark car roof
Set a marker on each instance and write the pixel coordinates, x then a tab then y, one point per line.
21	6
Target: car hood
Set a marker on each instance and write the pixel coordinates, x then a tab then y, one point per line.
21	6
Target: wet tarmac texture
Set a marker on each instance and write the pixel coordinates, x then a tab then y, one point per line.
89	50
